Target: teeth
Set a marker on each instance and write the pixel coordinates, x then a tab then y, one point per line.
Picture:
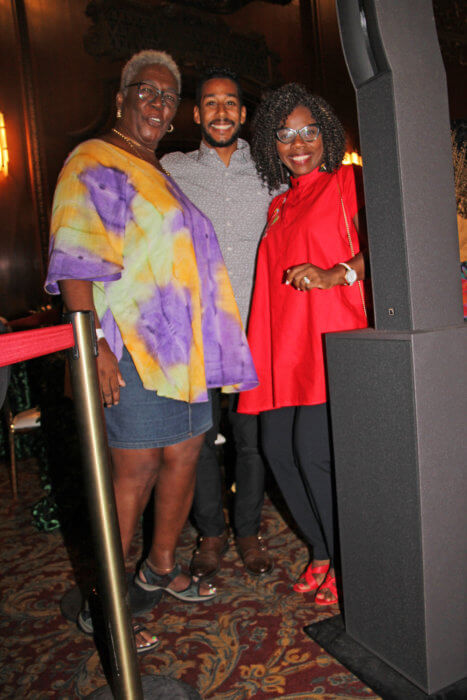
299	158
154	120
222	127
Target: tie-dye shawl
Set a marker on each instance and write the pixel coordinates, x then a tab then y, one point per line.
159	281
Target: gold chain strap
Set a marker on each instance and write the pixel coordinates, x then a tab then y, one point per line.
359	282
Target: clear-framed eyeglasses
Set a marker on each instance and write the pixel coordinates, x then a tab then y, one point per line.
149	93
310	132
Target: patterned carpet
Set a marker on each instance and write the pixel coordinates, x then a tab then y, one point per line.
247	643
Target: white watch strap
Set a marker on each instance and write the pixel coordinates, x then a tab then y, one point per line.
99	334
350	275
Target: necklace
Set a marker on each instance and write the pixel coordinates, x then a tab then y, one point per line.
134	145
131	142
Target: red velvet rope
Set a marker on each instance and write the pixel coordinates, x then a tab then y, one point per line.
24	345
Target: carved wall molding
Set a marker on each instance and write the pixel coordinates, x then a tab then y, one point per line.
225	6
122	27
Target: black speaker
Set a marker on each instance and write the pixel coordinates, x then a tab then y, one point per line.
398	393
398	411
396	67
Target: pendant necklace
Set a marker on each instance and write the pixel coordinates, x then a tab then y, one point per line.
134	145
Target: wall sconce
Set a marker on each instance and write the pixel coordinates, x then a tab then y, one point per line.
352	159
3	147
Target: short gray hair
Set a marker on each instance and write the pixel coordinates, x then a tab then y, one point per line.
148	58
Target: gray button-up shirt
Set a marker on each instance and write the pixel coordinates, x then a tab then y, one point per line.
236	201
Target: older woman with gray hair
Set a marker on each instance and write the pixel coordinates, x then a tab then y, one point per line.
127	245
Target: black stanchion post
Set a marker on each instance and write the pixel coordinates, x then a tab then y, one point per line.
107	544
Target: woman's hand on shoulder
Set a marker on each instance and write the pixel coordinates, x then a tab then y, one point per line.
110	378
307	276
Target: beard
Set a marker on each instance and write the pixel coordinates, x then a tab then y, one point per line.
220	144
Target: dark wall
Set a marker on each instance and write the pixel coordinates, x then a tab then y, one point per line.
20	257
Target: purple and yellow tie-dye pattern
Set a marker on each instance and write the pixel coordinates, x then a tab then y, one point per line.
159	281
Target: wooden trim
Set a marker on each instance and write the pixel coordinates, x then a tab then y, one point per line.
35	159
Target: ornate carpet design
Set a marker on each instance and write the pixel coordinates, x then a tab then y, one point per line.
246	643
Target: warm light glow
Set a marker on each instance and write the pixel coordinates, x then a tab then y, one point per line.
352	159
3	147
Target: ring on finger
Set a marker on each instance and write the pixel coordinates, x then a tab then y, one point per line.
306	280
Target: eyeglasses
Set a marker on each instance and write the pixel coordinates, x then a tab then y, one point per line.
149	93
307	133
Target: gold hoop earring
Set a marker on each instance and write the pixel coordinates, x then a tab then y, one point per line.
119	113
170	129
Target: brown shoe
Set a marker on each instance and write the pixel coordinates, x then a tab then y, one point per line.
254	555
206	559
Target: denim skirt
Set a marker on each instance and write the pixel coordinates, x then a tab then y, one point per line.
142	419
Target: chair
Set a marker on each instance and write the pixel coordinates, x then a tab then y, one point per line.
19	416
18	423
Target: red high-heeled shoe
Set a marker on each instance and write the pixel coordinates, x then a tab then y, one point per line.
307	582
329	584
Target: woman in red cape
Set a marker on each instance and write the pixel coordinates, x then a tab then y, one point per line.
307	284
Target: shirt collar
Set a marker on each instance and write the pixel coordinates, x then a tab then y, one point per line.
304	181
242	152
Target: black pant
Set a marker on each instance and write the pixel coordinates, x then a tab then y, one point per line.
296	443
249	476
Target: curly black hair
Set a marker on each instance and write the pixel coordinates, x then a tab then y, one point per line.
217	72
272	113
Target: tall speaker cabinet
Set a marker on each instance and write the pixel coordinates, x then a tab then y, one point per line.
398	393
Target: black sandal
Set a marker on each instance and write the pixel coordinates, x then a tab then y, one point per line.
146	646
86	625
161	582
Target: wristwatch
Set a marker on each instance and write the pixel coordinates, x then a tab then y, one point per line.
350	275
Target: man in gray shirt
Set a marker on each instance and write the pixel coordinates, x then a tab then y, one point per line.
220	178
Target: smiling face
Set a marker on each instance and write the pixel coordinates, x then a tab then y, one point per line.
300	157
219	113
143	120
